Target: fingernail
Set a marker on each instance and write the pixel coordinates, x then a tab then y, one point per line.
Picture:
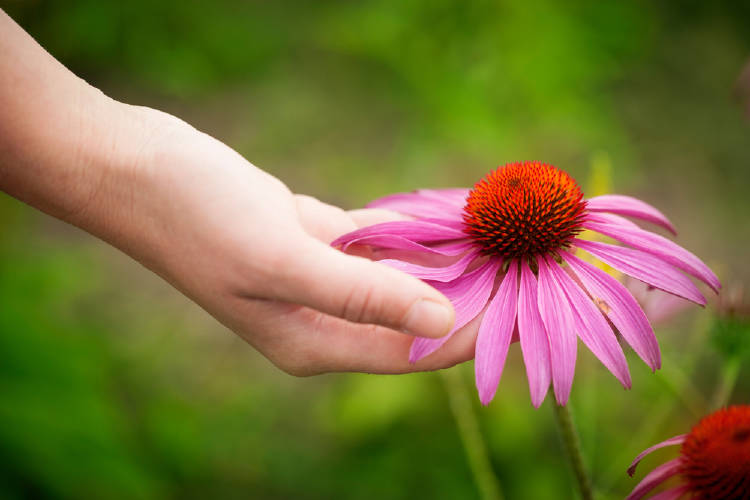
427	318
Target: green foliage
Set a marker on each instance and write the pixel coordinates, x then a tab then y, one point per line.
731	336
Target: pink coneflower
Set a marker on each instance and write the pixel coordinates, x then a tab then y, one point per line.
714	460
520	224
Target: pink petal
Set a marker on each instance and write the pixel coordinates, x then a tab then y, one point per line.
632	207
416	231
440	204
655	478
668	442
671	493
468	294
452	248
400	243
645	267
454	196
621	308
447	273
558	320
494	336
457	224
593	329
658	305
416	205
611	219
533	336
440	255
658	245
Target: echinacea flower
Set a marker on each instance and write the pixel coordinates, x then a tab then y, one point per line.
714	460
519	226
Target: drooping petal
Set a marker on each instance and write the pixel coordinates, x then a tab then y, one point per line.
444	274
611	219
533	337
494	336
413	230
655	244
619	305
671	493
658	305
667	442
558	320
468	294
429	203
632	207
457	224
386	241
592	328
655	478
644	267
454	196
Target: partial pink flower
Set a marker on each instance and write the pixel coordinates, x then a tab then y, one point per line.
660	307
714	460
515	234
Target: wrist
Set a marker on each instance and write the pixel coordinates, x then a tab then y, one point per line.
56	150
72	152
119	205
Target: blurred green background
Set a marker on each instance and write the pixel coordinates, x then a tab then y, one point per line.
112	385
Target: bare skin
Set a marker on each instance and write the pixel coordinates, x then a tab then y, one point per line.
228	235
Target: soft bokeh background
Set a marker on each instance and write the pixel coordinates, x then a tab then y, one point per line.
112	385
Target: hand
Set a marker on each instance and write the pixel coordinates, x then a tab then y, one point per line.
231	237
239	243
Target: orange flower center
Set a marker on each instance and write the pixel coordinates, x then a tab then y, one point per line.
716	455
524	209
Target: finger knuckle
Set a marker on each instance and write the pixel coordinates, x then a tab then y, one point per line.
362	304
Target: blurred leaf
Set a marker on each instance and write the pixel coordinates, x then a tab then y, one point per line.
730	336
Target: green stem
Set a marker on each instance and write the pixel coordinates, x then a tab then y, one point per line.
729	373
573	449
471	436
679	383
662	410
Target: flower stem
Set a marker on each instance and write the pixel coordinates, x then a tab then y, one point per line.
471	436
573	449
727	381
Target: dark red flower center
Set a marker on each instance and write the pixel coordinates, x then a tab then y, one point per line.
524	209
716	455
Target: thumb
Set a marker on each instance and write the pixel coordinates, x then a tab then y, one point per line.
362	291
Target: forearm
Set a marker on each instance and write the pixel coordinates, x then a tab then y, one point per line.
62	141
228	235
